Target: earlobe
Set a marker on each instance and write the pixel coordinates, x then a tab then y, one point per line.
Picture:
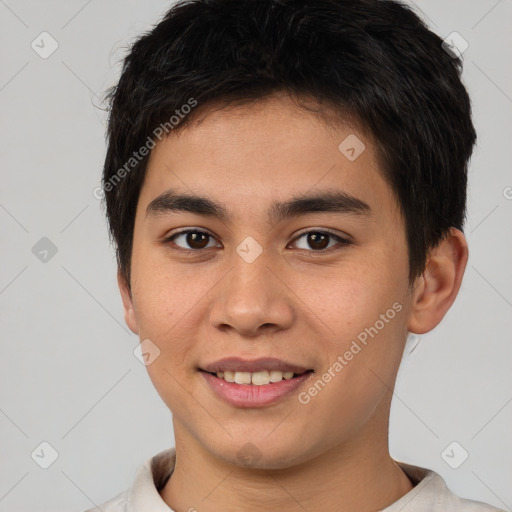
130	316
436	289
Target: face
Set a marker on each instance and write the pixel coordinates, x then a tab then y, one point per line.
292	259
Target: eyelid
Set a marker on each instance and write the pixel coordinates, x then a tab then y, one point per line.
343	236
168	238
342	240
190	229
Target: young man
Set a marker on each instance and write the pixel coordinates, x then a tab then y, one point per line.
285	184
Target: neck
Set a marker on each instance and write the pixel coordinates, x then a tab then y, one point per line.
359	476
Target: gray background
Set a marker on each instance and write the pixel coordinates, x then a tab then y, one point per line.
68	373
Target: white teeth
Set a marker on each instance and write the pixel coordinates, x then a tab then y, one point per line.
243	377
228	376
256	378
276	376
260	378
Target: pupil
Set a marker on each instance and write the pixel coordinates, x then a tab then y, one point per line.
317	240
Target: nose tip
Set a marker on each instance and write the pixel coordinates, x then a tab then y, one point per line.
251	300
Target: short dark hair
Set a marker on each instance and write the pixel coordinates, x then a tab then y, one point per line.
373	61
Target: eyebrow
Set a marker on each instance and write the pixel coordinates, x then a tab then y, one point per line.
329	201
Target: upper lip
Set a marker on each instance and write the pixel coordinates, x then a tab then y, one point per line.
237	364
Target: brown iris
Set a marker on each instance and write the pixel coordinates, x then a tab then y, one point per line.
197	240
318	240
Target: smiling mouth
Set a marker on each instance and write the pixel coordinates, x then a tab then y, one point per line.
259	378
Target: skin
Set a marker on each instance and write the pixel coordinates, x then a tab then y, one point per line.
293	302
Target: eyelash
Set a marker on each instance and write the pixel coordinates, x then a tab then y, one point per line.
342	242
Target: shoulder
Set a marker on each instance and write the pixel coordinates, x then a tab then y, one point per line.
464	505
453	502
144	491
431	494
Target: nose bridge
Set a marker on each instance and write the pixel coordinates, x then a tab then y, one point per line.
250	295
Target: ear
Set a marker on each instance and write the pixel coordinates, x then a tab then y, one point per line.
436	289
130	316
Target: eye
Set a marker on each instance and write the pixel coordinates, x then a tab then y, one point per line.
193	239
319	241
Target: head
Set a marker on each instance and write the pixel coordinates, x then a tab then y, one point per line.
256	123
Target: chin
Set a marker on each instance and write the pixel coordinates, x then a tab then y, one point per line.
252	453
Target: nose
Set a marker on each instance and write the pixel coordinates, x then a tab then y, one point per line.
251	300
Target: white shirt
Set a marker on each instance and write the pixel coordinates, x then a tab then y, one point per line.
429	494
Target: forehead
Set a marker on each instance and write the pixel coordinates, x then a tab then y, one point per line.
248	156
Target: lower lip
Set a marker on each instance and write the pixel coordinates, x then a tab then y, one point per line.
249	395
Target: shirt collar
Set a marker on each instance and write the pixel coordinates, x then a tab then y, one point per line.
149	480
153	475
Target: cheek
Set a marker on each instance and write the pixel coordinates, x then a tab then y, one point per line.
161	293
363	326
171	302
165	308
360	368
161	299
350	299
